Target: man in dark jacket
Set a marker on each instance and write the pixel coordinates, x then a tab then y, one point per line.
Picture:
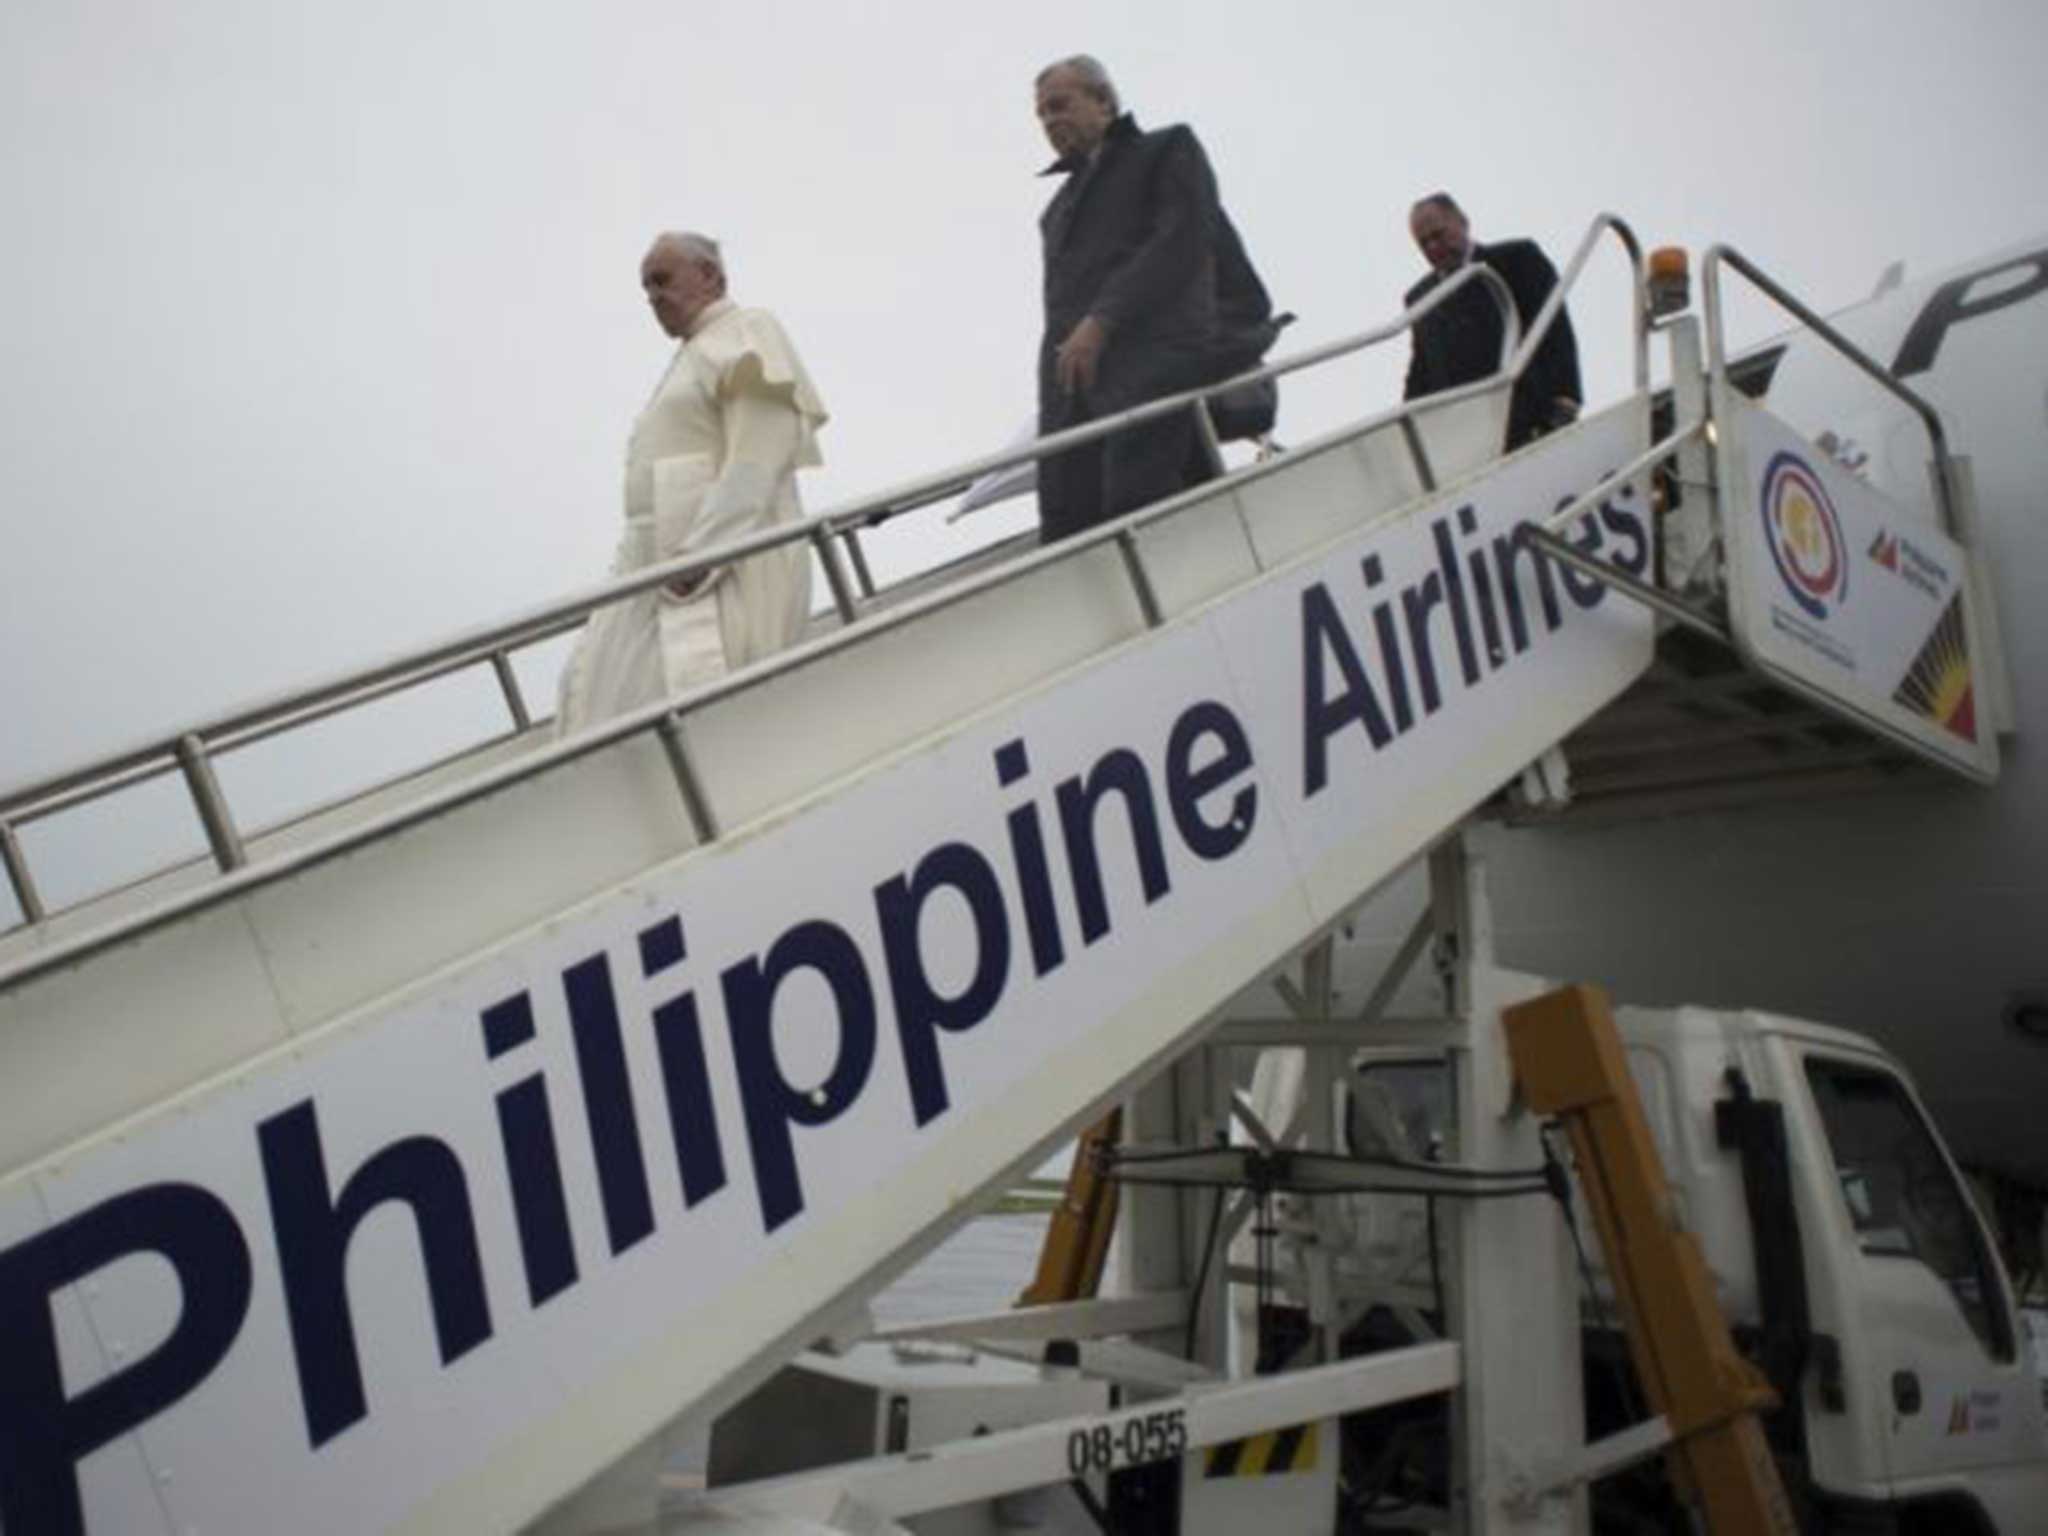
1147	292
1459	341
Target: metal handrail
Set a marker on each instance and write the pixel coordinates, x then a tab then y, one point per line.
1603	223
248	726
190	750
1547	534
1717	356
309	703
936	487
664	718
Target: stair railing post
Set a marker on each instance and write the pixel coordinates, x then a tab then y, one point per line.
1141	579
859	557
508	684
1412	436
688	785
835	574
212	806
1212	445
25	894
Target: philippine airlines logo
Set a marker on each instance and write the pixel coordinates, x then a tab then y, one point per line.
1805	536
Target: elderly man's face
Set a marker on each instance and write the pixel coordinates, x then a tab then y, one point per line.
677	287
1442	236
1074	118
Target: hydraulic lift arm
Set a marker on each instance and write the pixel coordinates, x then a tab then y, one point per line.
1569	1062
1077	1238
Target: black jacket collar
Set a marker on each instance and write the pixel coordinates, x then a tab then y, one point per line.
1125	127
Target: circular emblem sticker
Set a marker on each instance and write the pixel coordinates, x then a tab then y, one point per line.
1804	535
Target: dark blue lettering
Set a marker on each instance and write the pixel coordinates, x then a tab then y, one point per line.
608	1102
773	1104
1322	632
539	1204
685	1077
532	1165
1627	523
1585	591
1121	770
1391	664
1186	785
1482	587
692	1119
313	1231
1505	548
1454	588
1415	605
44	1434
507	1025
1034	879
920	1010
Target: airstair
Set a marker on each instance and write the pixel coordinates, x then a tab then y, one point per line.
408	1164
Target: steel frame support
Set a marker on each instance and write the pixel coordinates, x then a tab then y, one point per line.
1511	1300
1008	1461
26	896
1691	528
1155	1234
1096	1318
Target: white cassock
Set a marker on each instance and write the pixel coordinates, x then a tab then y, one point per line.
713	457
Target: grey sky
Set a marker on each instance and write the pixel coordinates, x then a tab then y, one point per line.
323	335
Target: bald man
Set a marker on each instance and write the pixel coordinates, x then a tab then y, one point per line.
713	457
1459	340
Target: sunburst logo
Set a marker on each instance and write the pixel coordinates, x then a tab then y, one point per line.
1938	685
1804	535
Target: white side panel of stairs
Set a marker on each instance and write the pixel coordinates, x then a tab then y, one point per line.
76	1054
311	826
770	1070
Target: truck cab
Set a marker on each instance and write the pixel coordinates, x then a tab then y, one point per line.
1845	1247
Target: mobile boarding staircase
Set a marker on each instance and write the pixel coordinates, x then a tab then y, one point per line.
413	1163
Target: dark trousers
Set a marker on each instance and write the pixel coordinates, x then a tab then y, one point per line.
1098	481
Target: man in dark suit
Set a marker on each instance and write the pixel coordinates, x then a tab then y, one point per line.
1147	292
1459	341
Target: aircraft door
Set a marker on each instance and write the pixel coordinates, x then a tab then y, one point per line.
1935	1321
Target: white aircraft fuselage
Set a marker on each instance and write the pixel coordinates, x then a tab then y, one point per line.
1916	915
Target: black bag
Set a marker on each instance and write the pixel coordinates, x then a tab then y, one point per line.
1246	329
1249	410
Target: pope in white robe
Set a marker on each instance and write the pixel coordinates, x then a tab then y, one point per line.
713	457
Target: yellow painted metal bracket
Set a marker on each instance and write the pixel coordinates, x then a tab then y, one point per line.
1077	1238
1569	1063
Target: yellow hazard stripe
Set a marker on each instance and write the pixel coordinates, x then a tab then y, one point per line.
1272	1454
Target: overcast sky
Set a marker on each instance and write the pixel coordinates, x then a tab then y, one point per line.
323	334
